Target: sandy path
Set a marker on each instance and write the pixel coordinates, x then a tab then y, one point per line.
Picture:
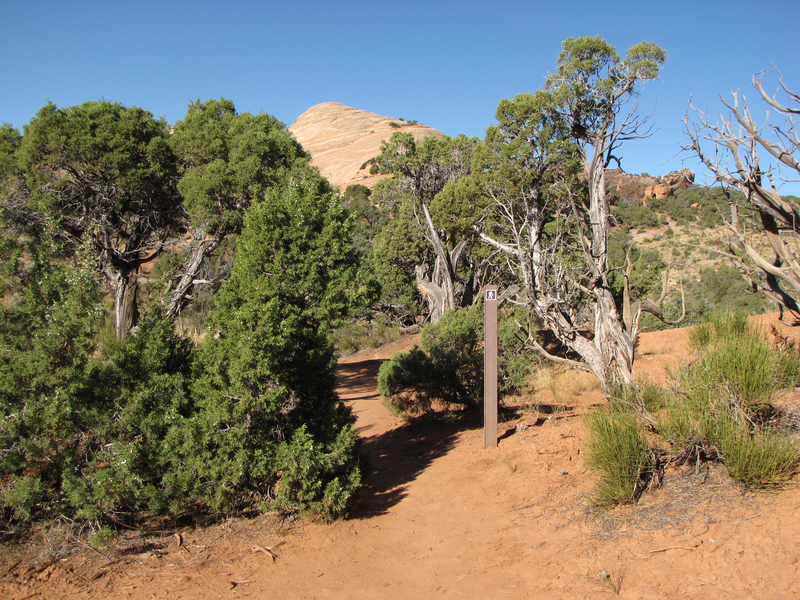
444	517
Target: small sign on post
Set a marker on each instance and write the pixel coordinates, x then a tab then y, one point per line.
490	366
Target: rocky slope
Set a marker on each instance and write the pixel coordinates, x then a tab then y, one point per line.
341	139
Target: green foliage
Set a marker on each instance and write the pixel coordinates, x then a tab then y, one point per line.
143	402
449	367
399	247
645	280
229	159
702	206
591	80
81	437
634	217
740	362
368	218
757	459
99	160
324	480
10	139
643	397
102	538
428	197
515	361
45	386
454	347
267	370
616	450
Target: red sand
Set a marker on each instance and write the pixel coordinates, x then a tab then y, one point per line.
444	517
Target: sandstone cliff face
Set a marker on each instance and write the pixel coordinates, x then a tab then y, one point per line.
643	187
341	139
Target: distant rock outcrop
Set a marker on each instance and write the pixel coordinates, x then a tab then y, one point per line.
643	187
342	139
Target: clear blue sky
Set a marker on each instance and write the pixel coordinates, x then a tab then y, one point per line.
444	63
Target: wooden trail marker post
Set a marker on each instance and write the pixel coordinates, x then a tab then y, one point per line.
490	366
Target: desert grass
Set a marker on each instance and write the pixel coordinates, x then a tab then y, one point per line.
618	453
562	384
611	580
720	409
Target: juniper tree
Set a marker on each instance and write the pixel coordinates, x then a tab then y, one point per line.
104	171
544	171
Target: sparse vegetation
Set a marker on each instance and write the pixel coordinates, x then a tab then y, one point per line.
362	334
720	409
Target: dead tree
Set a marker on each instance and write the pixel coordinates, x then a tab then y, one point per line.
756	158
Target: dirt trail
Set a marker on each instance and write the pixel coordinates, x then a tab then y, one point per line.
442	516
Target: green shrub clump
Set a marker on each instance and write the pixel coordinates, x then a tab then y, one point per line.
449	367
720	409
248	420
617	451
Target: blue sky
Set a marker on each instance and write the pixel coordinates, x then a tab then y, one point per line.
444	63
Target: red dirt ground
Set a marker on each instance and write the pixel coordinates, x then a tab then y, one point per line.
444	517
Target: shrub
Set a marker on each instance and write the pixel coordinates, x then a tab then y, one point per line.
758	458
142	393
264	385
407	382
449	367
718	410
322	480
723	402
616	450
46	348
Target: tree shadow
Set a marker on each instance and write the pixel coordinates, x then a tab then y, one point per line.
400	455
359	379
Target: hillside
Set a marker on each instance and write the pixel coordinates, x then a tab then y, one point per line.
341	139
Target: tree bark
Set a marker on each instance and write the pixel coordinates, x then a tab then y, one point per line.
203	248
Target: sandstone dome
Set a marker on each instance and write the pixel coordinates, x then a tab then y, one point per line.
340	139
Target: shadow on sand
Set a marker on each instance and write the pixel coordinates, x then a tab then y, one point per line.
358	381
398	456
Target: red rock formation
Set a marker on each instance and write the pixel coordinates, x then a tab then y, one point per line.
643	187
